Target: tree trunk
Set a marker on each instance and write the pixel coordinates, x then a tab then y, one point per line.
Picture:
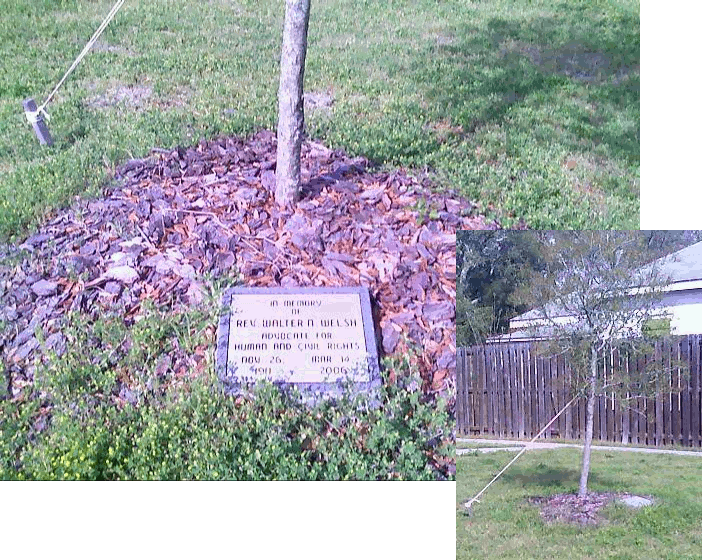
291	117
589	421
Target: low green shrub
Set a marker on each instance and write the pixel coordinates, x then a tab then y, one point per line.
114	412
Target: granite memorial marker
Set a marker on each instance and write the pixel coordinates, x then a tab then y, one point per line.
311	338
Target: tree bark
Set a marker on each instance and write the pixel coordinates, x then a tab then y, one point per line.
589	421
291	117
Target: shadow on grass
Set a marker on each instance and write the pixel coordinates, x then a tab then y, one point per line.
548	477
482	74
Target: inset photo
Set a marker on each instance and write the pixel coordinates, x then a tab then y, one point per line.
578	383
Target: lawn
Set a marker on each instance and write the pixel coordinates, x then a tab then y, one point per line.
504	525
530	108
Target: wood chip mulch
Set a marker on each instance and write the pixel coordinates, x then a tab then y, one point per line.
209	209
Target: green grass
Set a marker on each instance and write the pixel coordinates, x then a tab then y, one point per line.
477	94
504	525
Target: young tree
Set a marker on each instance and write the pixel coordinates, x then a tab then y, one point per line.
593	295
291	116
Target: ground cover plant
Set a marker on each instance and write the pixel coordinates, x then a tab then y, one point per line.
529	108
139	400
153	244
507	523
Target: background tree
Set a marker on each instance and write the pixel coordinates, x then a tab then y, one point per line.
589	276
291	117
662	243
491	266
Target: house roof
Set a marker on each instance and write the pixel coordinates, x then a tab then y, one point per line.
684	268
540	333
550	310
681	266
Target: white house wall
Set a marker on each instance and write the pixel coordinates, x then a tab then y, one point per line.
681	300
684	307
686	319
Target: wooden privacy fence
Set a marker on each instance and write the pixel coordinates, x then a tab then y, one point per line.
507	390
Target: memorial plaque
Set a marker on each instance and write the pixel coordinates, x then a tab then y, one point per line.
309	337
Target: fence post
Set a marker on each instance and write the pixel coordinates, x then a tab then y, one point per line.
460	386
659	396
695	390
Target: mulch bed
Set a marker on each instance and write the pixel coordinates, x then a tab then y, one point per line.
209	209
569	509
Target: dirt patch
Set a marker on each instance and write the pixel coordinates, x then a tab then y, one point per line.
590	164
573	60
139	96
589	191
318	101
132	96
337	41
572	510
586	173
178	98
102	46
445	130
440	39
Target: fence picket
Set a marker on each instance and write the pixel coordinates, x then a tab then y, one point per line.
602	401
506	370
490	389
609	399
528	390
514	381
695	391
676	408
686	398
461	406
499	394
667	428
616	366
659	394
479	393
521	397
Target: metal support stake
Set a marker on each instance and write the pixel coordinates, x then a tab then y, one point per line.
40	128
